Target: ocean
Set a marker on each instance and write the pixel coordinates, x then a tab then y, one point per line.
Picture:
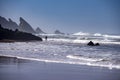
69	49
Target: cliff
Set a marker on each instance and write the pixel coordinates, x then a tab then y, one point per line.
16	35
25	26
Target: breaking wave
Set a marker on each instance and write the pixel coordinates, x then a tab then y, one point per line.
82	37
110	66
66	49
81	33
80	57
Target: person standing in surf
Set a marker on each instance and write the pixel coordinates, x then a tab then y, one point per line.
46	38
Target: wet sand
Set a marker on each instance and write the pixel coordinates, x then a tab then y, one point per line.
12	68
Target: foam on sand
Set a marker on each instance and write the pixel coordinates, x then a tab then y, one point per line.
84	58
110	66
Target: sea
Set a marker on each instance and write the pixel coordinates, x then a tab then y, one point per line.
69	49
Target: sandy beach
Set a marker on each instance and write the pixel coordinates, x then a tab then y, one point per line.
12	68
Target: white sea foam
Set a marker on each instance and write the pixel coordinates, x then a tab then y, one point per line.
110	66
84	38
81	33
84	58
112	36
64	49
97	34
105	41
59	40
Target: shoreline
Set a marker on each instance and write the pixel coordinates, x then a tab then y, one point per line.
12	68
12	41
109	67
11	59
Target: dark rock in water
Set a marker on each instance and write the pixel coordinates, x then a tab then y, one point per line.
8	24
97	44
25	27
39	31
58	32
90	43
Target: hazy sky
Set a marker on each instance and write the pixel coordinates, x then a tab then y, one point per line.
69	16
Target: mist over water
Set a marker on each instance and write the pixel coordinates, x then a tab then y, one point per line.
69	49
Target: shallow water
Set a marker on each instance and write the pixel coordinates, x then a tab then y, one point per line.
69	49
105	55
34	70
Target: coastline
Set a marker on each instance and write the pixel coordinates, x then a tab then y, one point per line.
7	41
12	41
13	68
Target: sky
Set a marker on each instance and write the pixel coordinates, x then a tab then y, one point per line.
68	16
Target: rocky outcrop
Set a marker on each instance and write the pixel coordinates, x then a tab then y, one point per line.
9	24
10	36
92	44
39	31
25	27
13	24
58	32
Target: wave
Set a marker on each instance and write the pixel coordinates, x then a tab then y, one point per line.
112	36
84	41
110	66
82	37
81	33
97	34
80	57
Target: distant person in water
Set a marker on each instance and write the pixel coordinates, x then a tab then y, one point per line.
46	37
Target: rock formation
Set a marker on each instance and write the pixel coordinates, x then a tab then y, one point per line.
25	27
39	31
9	24
9	35
92	44
58	32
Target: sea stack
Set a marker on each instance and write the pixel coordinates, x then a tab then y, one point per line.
92	44
39	31
25	27
58	32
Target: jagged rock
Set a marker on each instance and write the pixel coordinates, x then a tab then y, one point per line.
90	43
9	24
10	36
13	24
39	31
25	27
58	32
97	44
